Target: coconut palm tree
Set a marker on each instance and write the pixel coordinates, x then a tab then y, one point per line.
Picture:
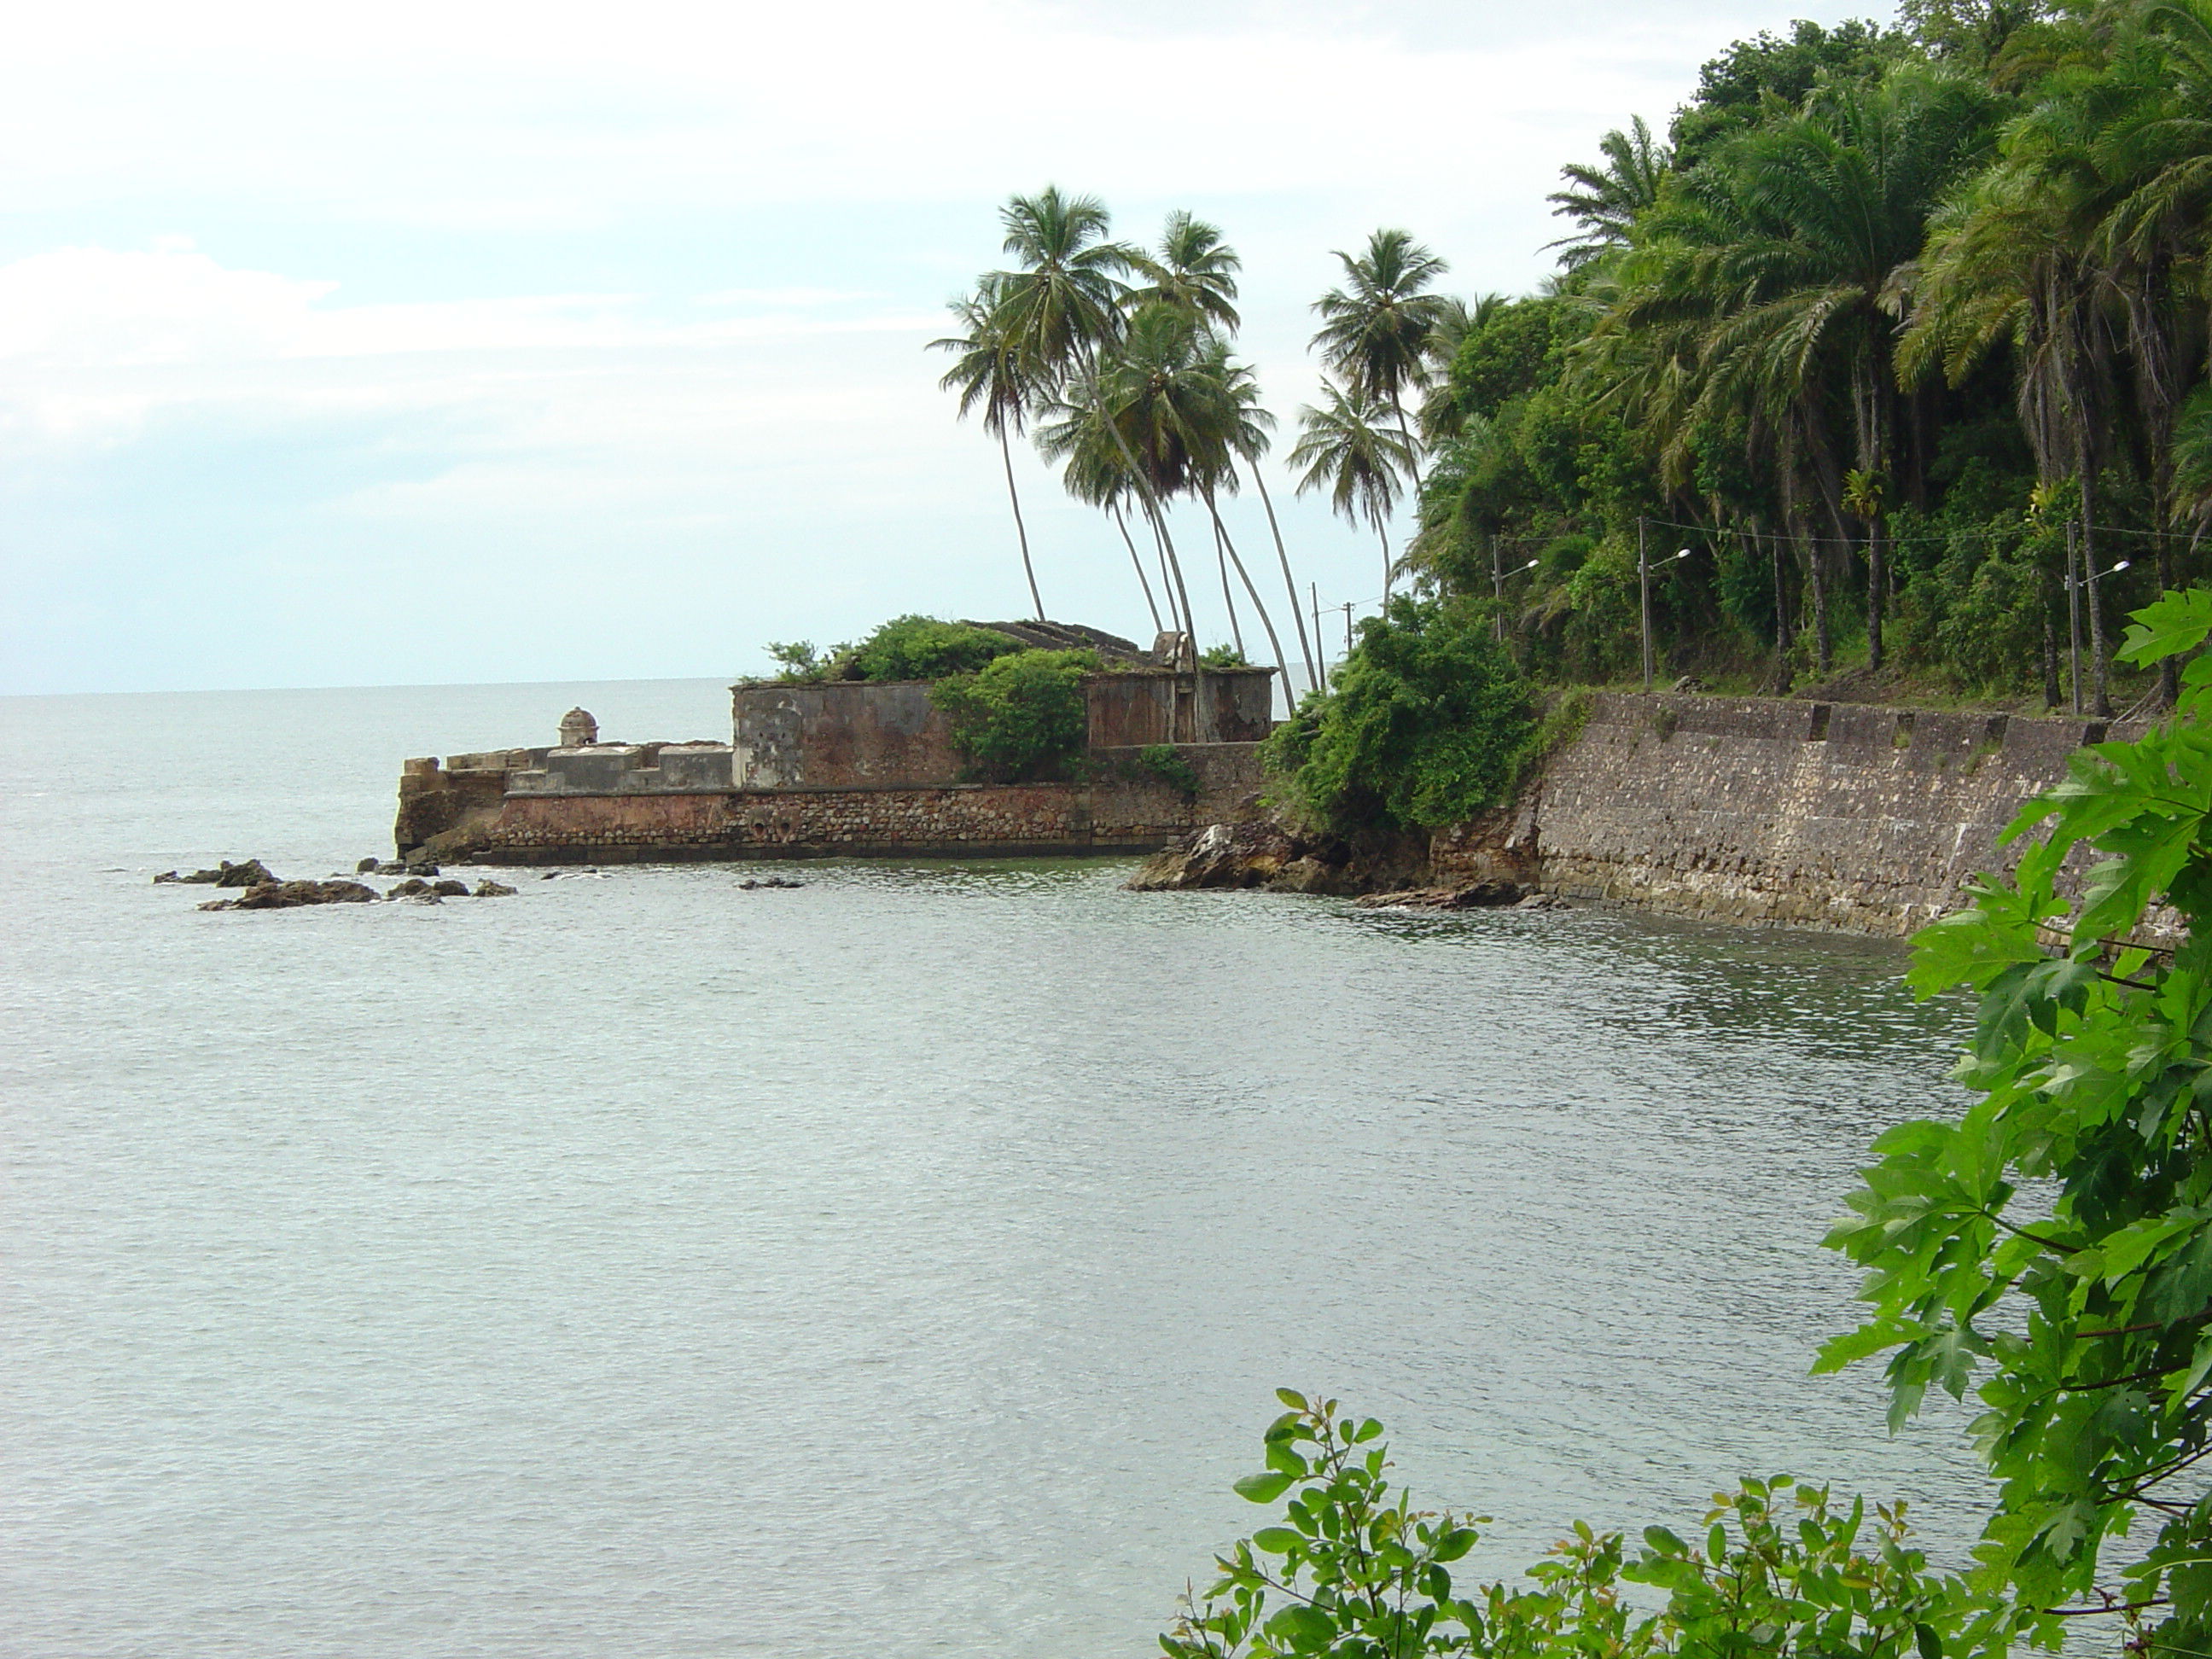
1376	329
1347	450
1060	306
987	374
1194	271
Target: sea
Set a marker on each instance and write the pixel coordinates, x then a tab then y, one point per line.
901	1265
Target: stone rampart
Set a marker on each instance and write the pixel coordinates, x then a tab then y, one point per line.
613	803
1842	815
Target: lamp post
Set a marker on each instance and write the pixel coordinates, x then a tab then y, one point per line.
1644	579
2075	586
1497	575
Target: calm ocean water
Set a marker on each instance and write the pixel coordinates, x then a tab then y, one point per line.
900	1265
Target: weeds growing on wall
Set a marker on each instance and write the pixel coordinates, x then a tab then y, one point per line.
1428	724
1020	718
922	648
1165	761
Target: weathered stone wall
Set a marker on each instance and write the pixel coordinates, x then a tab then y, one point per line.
885	734
602	803
1837	816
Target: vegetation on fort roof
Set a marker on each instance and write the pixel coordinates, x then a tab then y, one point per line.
911	647
1020	718
1427	724
2048	1250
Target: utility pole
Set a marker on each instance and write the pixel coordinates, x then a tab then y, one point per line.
1321	665
2073	619
1644	581
1497	590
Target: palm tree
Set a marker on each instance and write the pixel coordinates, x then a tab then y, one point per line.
1168	394
1094	470
1195	272
1347	449
987	374
1376	329
1061	305
1769	292
1603	201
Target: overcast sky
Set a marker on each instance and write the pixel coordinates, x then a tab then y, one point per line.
429	343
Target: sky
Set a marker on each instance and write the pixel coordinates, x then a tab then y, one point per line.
483	342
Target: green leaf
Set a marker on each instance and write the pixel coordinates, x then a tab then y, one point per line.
2175	622
1278	1541
1263	1488
1291	1398
1663	1543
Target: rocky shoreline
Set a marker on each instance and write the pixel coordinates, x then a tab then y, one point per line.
263	890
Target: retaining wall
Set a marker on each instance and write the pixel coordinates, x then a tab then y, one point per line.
1840	816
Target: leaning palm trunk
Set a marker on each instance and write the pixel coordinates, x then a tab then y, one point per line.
1289	582
1228	598
1113	511
1405	437
1021	529
1282	663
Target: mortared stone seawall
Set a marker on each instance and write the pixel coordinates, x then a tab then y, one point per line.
1842	815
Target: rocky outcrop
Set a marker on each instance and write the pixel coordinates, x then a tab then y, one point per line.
251	873
1263	853
292	895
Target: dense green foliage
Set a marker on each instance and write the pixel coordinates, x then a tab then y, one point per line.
921	649
2060	1233
1353	1571
1889	322
1021	717
1426	725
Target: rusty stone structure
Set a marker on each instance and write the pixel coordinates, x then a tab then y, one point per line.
847	767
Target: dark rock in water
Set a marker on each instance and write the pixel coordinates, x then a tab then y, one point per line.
414	888
451	889
494	890
1260	852
422	869
251	873
368	866
292	895
1476	895
754	885
550	875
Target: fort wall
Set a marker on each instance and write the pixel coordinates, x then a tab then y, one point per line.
1842	815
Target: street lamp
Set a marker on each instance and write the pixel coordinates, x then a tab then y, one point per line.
1643	578
1497	575
2075	587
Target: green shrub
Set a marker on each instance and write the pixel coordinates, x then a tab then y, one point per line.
923	648
1165	761
797	661
1428	724
1223	656
1022	717
1780	1571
